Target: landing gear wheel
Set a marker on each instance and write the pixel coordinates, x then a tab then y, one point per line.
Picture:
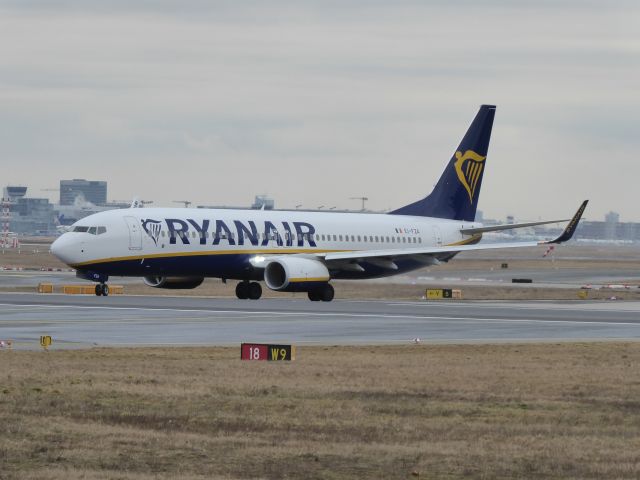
255	291
314	295
242	290
98	289
327	293
102	289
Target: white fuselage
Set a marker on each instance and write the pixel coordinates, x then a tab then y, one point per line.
221	242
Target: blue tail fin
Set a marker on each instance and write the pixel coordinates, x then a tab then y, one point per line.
456	194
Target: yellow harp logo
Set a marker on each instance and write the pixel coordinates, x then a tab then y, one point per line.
469	168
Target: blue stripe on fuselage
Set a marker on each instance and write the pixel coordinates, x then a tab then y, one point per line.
228	265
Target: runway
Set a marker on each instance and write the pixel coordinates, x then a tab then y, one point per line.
85	321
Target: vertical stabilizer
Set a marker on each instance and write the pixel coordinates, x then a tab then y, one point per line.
456	194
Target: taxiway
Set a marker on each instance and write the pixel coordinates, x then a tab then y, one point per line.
84	321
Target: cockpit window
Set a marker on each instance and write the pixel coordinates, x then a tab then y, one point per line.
90	230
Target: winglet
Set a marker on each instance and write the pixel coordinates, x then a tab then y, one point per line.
571	227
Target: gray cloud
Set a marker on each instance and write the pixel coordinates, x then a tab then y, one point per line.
315	102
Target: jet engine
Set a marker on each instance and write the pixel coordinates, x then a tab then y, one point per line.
173	282
295	274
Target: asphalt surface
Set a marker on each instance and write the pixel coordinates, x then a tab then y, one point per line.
85	321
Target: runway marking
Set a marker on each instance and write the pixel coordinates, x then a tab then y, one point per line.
269	314
624	307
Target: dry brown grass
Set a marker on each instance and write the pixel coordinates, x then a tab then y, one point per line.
440	411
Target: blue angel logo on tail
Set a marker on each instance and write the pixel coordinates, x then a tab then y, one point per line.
152	227
469	169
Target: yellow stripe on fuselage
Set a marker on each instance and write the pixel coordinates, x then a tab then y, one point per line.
475	238
205	253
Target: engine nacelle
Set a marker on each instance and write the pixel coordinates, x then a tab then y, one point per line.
295	274
173	282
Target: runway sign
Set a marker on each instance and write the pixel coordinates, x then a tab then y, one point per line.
90	289
262	351
45	341
440	293
45	288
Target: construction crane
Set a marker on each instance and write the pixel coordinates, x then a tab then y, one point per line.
186	202
363	199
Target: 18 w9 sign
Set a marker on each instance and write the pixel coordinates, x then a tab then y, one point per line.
262	351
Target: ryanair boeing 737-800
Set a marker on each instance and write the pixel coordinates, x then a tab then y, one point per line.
292	250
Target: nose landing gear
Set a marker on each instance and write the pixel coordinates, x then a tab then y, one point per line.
102	289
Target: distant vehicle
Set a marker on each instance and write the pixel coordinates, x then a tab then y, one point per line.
293	250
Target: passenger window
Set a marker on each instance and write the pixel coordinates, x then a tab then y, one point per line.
371	238
393	239
335	238
359	238
420	240
365	238
388	240
404	239
353	239
376	237
340	237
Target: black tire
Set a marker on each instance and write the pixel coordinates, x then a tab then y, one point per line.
255	291
327	293
105	290
314	296
242	290
98	289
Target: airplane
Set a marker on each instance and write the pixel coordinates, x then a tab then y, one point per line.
293	250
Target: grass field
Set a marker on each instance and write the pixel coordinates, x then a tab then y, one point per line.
427	411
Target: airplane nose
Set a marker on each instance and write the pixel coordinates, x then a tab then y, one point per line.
65	249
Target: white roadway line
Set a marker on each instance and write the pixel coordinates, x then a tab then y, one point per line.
268	314
550	304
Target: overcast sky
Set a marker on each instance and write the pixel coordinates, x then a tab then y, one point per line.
313	102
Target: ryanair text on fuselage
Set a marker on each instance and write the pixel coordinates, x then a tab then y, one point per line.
240	233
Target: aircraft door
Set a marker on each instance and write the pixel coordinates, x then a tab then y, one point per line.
135	233
437	236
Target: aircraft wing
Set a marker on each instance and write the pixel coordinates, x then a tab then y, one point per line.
429	254
507	226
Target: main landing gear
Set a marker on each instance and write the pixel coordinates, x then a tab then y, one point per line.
248	290
324	293
102	289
